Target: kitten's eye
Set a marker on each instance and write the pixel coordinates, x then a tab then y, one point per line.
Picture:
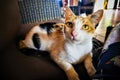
56	26
69	24
85	27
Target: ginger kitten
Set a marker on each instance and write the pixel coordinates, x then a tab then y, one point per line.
68	43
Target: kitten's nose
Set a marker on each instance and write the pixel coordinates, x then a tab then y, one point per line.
61	28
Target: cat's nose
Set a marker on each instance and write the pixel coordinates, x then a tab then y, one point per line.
74	33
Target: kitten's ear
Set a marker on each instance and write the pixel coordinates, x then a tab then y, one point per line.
96	16
69	15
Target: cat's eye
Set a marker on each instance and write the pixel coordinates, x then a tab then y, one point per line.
69	24
85	27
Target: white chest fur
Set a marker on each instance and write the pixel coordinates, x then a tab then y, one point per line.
77	52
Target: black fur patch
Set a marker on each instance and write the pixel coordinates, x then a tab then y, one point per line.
36	40
48	26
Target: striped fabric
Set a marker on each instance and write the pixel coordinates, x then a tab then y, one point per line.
38	10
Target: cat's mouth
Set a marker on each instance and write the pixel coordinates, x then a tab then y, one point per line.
73	38
73	35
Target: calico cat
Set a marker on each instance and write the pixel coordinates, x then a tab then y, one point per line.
43	36
68	43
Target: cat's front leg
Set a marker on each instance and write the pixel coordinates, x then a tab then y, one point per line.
89	65
67	67
71	74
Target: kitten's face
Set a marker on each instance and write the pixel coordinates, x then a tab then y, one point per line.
79	29
59	27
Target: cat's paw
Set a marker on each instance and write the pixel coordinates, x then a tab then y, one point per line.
21	45
91	71
72	75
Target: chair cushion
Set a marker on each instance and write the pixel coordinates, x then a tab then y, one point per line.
9	22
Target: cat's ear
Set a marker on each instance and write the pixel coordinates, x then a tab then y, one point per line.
69	15
96	16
